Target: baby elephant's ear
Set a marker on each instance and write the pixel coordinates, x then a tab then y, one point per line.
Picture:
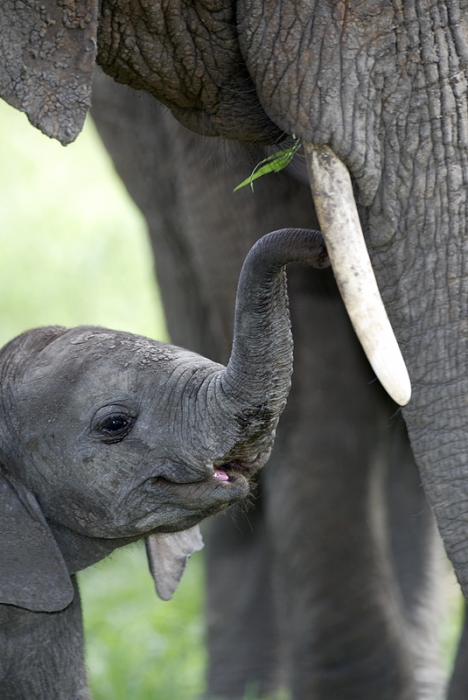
33	573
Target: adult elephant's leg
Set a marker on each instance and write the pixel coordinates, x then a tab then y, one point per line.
418	560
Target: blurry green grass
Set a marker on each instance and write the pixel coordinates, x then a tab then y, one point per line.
74	251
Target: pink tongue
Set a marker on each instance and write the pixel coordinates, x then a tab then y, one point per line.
221	475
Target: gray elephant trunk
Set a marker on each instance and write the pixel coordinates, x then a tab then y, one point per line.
258	376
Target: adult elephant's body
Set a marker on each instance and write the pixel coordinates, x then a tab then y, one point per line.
327	584
384	86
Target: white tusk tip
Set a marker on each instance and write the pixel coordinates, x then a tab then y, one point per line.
388	364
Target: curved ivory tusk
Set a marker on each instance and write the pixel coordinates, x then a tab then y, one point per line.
336	210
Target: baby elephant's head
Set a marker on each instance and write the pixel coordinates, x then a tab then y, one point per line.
107	437
119	436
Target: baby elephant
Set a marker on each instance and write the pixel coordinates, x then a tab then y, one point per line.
106	438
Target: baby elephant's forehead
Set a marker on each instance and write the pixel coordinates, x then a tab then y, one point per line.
123	347
77	351
83	364
84	369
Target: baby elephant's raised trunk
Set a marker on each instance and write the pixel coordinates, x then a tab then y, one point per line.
258	376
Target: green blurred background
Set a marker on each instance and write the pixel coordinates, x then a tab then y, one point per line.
74	251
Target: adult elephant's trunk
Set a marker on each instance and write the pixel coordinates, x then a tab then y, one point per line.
257	378
386	89
430	311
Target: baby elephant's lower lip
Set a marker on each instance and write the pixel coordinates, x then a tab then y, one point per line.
235	482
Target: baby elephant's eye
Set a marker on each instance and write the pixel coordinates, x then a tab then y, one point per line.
115	427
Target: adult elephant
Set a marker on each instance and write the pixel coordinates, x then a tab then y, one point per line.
384	86
328	584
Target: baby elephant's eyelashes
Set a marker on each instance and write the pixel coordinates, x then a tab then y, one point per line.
115	427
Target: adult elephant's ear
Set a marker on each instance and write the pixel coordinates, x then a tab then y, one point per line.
47	55
33	573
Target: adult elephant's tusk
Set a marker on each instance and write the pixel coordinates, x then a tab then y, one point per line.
336	210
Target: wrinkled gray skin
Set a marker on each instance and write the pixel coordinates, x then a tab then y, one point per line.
383	84
107	437
329	585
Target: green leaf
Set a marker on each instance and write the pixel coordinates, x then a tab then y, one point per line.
272	164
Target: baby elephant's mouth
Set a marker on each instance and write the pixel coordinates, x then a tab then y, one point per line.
179	496
229	471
